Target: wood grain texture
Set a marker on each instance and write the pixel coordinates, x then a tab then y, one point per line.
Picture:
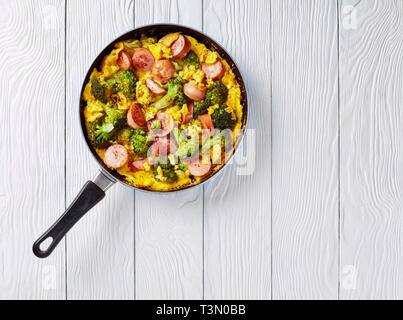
100	255
371	116
305	149
169	227
32	145
237	207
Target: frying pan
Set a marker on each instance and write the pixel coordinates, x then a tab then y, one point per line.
94	191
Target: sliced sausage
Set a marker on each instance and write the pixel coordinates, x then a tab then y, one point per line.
135	116
214	71
163	146
143	59
168	39
155	87
180	47
124	60
116	156
198	168
194	91
163	70
167	124
186	118
138	165
207	123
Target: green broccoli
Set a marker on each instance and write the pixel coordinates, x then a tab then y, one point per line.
222	119
188	143
115	117
168	170
140	142
174	95
99	91
181	166
191	59
217	94
178	67
216	139
132	44
125	135
199	107
124	81
101	132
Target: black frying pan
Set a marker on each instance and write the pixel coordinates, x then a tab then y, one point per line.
94	191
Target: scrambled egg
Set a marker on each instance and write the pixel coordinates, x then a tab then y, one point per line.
161	50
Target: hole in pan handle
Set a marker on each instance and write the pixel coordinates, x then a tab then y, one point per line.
91	193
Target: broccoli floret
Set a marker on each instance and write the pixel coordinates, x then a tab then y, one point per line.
124	81
199	107
117	118
181	99
168	171
177	66
217	94
217	139
174	95
99	134
222	119
132	44
99	91
125	135
188	143
181	166
192	59
140	142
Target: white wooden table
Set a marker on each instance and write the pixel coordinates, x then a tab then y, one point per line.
320	217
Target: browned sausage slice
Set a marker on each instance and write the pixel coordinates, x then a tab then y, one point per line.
138	165
163	146
124	61
163	70
194	91
180	47
155	87
207	123
135	116
186	118
214	71
116	156
167	124
198	168
143	59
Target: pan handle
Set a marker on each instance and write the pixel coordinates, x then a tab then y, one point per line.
91	193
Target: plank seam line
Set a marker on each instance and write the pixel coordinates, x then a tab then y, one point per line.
339	147
203	238
65	140
271	153
134	200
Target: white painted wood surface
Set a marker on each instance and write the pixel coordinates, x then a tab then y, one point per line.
273	234
108	230
305	149
371	117
238	207
32	145
169	234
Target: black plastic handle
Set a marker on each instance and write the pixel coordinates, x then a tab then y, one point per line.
88	197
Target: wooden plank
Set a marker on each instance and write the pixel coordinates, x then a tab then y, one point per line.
237	207
305	149
371	116
100	255
169	227
32	145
